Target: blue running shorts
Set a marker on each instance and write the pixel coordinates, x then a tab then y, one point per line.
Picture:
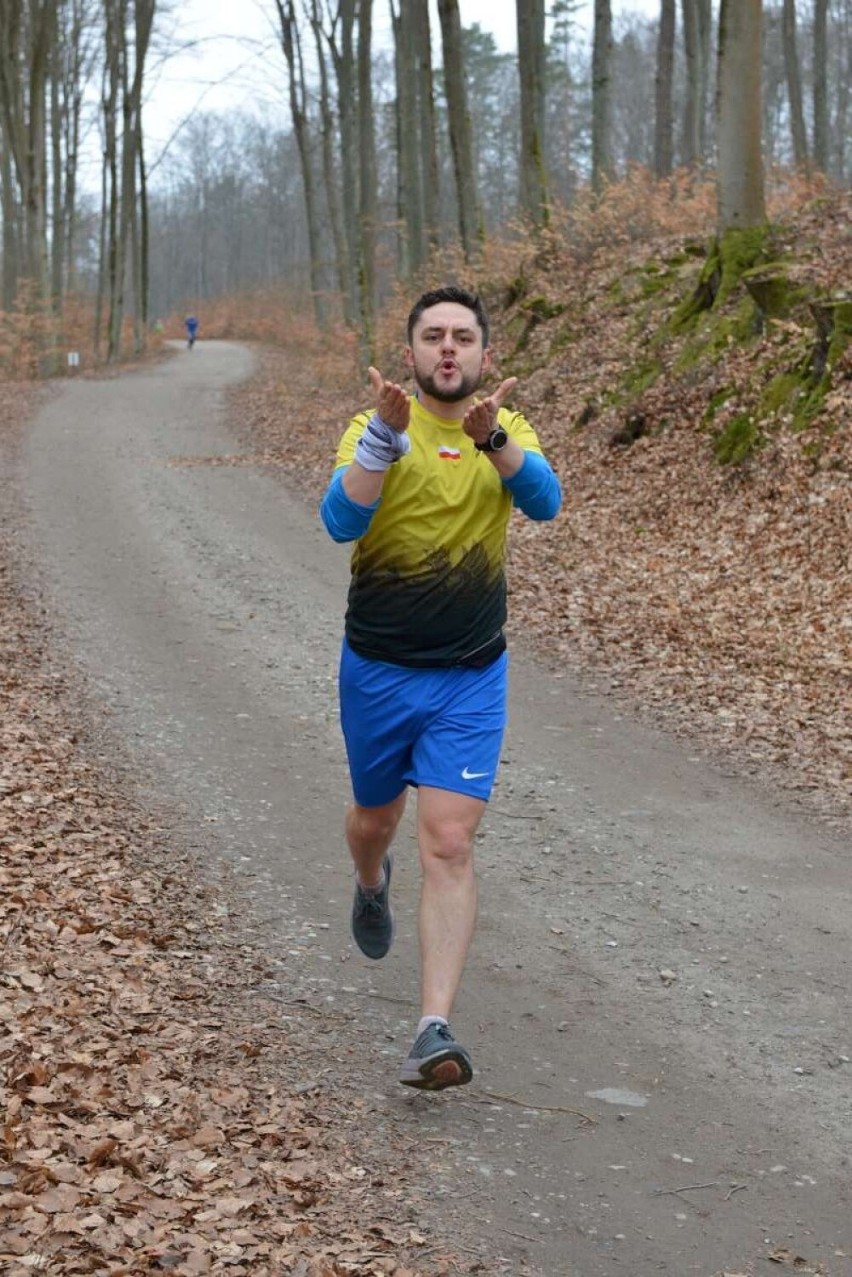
437	727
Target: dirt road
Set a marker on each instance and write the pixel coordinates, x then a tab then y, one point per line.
658	1001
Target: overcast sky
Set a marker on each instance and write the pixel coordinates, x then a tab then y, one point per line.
237	61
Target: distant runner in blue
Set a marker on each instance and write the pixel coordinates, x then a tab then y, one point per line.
191	326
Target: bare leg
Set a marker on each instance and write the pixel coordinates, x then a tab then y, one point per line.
446	824
369	833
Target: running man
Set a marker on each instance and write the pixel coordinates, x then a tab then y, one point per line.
424	485
191	326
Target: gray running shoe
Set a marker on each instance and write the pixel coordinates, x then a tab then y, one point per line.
372	920
436	1060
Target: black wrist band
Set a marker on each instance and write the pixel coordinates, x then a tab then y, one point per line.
495	442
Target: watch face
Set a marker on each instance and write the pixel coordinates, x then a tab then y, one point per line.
498	438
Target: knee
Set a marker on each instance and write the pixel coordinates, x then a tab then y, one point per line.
448	843
373	823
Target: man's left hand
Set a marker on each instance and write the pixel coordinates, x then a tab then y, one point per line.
481	418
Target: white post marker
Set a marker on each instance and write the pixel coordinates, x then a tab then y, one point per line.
73	359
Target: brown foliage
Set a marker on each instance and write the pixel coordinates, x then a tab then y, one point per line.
35	342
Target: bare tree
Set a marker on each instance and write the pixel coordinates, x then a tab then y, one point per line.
25	41
663	115
291	43
368	202
740	186
531	67
128	29
113	14
794	86
461	133
8	205
329	166
602	161
74	63
705	40
409	175
692	107
820	83
426	124
340	37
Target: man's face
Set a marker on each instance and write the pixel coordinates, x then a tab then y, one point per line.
446	352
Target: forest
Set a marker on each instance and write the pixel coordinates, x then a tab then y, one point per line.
383	161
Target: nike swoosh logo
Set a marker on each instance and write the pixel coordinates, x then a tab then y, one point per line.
466	775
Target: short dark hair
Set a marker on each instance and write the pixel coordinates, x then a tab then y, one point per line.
450	293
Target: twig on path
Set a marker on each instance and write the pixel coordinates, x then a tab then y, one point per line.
596	882
322	1012
685	1188
735	1188
544	1108
558	948
514	815
524	1236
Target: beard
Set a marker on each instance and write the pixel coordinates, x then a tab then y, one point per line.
428	384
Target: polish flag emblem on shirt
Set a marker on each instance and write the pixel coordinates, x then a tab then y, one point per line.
449	454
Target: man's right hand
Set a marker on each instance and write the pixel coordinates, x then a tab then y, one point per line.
392	402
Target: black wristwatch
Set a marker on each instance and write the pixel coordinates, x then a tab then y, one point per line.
495	442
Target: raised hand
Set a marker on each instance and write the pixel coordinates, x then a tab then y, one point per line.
481	418
392	402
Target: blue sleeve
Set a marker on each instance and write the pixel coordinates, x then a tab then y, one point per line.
535	488
344	519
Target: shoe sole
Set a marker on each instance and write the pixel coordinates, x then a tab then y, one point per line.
436	1073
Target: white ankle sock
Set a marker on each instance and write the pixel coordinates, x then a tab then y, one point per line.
426	1020
372	891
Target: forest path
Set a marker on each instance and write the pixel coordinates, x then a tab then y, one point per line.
205	603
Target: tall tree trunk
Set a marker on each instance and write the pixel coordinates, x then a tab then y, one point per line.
409	187
368	202
78	65
343	56
531	67
12	147
704	9
840	133
58	205
114	13
144	243
471	229
8	204
144	23
740	187
291	44
820	93
664	85
794	87
42	17
332	186
602	164
692	106
427	128
25	43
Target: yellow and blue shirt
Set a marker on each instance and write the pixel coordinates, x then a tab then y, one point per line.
428	584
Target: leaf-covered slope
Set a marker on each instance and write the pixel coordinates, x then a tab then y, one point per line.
717	584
